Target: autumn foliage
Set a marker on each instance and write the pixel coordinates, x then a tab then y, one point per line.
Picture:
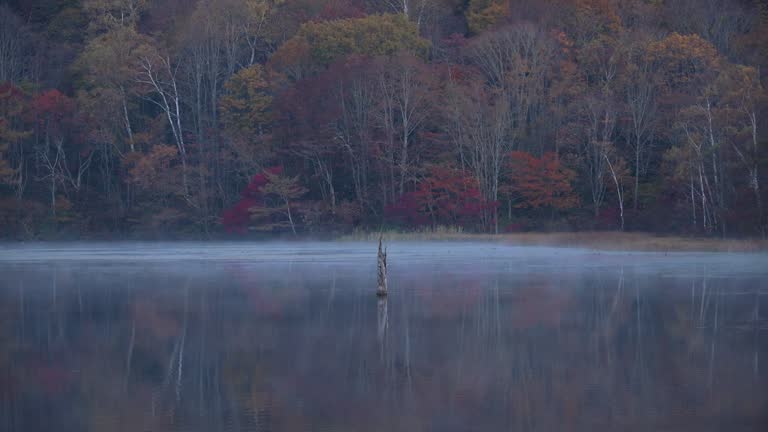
540	182
268	203
446	196
237	218
151	118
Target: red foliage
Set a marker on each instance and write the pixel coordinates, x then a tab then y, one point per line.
53	103
406	211
309	108
236	218
540	182
253	190
305	115
55	113
447	196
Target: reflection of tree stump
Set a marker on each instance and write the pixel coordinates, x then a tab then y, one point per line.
381	289
383	324
383	318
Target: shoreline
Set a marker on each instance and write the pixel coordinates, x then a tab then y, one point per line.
596	240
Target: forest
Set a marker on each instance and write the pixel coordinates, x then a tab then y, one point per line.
136	118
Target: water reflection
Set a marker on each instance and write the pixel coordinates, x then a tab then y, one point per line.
301	346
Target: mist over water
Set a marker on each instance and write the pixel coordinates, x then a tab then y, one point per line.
290	337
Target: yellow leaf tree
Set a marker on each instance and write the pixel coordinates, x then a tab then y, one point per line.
245	105
320	43
483	14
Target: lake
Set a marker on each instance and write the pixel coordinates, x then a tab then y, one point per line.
291	337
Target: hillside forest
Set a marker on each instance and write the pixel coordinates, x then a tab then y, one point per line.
197	118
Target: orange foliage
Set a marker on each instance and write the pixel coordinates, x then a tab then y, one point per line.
684	60
148	170
540	182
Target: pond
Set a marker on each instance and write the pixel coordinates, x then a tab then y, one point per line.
291	337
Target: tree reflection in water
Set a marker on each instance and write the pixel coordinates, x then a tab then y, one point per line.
291	347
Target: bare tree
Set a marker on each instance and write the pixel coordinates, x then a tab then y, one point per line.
516	63
356	96
53	159
718	21
13	49
415	10
744	96
479	127
699	134
403	106
159	74
599	117
598	112
641	106
616	175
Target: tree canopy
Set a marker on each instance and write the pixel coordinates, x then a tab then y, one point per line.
143	117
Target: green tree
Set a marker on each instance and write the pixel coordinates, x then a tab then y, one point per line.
108	14
484	14
245	106
109	65
280	192
320	43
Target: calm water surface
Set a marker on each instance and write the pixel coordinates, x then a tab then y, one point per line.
290	337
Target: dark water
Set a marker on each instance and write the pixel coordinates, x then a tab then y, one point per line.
290	337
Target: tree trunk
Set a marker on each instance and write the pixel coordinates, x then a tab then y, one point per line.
127	121
637	175
619	193
290	217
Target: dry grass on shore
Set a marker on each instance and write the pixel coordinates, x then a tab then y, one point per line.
602	240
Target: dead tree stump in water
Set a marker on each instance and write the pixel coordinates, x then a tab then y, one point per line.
381	289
